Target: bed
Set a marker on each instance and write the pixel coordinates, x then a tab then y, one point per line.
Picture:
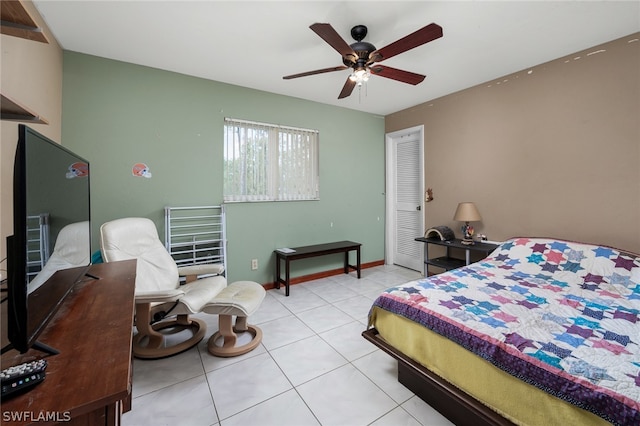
541	332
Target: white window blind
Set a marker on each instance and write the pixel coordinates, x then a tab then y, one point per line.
266	162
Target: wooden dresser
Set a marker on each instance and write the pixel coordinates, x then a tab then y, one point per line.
89	381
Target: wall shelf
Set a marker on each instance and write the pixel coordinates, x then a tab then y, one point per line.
12	110
16	21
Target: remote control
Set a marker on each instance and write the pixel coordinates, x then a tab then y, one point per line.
19	378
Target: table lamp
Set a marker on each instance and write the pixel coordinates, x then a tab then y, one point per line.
467	212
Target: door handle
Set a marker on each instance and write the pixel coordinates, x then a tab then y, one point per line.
419	208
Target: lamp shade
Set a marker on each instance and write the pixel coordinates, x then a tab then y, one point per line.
467	212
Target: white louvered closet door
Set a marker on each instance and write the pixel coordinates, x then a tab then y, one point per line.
409	217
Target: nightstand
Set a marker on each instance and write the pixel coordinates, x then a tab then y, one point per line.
447	262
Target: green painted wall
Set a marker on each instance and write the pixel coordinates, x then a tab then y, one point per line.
117	114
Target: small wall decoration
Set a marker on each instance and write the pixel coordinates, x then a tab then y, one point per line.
141	170
429	196
77	170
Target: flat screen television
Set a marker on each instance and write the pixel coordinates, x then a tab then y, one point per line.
49	250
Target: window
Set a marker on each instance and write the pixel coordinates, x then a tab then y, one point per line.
266	162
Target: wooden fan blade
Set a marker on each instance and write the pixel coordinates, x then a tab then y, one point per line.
347	88
415	39
328	34
304	74
396	74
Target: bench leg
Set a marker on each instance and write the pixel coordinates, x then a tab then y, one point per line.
346	262
287	277
277	282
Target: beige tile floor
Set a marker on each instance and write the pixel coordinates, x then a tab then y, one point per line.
313	367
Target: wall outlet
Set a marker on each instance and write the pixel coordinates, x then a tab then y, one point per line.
254	264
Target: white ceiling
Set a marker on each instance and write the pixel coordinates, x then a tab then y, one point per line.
254	44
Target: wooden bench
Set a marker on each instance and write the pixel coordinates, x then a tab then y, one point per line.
314	251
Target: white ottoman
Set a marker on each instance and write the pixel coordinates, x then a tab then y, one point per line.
239	299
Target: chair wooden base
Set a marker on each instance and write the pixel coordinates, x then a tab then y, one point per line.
228	332
149	342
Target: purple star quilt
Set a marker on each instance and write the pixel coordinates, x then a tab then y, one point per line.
562	316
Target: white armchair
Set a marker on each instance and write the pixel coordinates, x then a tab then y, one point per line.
163	305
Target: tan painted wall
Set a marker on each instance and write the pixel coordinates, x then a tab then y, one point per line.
30	73
553	150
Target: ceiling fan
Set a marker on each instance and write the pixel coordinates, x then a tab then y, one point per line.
361	55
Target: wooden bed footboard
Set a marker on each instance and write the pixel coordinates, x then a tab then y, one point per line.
450	401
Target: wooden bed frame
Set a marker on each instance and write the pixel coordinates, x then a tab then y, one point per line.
456	405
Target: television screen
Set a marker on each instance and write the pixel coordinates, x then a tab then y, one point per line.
50	246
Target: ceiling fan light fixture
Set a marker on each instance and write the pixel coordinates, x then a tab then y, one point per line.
360	76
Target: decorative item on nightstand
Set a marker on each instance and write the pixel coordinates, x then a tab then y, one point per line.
467	212
443	233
